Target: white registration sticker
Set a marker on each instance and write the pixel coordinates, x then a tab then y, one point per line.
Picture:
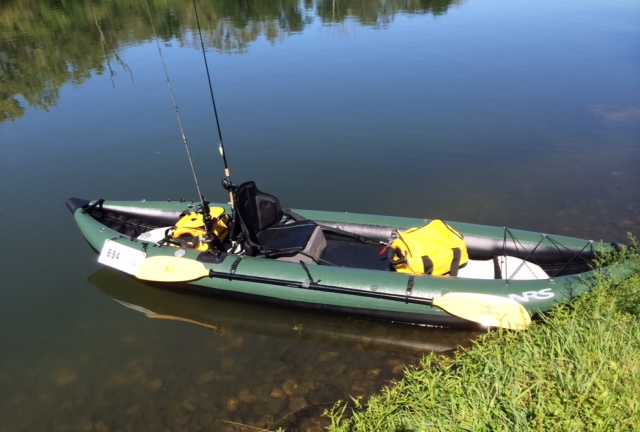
121	257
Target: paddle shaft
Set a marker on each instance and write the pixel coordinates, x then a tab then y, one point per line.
321	287
487	310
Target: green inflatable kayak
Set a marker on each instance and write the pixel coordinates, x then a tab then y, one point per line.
391	268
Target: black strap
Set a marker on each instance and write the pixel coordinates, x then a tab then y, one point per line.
455	263
496	268
306	269
410	286
427	264
234	266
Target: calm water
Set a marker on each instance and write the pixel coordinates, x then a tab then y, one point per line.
525	114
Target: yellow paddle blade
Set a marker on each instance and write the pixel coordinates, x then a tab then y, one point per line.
485	309
170	269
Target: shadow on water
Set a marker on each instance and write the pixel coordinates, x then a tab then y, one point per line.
250	364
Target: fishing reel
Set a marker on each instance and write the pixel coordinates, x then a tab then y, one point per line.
227	184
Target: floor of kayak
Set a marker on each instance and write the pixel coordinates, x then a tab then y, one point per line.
353	254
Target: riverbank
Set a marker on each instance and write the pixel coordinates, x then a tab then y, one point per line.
576	369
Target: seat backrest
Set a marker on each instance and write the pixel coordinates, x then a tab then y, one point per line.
256	210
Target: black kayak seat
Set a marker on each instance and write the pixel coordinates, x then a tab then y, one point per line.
267	232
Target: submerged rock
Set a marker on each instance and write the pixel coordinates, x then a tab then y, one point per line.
329	356
205	419
297	403
278	393
232	404
246	396
206	378
191	404
289	386
65	378
155	384
374	373
398	369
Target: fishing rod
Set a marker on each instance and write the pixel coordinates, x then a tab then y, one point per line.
209	236
226	183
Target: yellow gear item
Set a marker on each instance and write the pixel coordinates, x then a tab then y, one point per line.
190	230
434	248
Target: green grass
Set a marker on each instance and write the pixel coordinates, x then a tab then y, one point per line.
578	369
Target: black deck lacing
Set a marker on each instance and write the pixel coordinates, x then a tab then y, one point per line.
578	254
562	249
134	228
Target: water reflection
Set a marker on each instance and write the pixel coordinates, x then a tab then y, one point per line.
48	44
616	113
262	365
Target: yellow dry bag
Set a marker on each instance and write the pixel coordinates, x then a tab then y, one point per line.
435	249
189	231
